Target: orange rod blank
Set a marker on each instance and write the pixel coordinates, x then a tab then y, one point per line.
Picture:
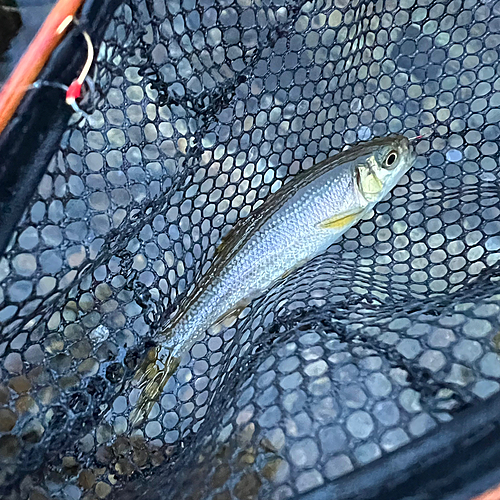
493	494
35	57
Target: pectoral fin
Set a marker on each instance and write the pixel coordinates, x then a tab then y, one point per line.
340	221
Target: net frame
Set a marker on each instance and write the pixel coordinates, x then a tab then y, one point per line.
360	322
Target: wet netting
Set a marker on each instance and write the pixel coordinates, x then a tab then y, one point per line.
201	110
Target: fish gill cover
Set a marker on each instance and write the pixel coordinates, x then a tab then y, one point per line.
201	110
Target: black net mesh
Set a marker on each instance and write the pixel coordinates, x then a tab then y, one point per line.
201	110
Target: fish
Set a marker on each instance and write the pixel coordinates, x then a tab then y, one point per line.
298	222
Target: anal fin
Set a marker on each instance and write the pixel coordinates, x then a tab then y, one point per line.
288	272
232	313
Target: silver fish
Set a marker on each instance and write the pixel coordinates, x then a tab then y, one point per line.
298	222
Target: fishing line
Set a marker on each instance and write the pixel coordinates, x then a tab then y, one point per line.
74	90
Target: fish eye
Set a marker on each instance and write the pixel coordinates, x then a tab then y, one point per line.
391	158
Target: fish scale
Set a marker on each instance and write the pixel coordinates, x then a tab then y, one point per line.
294	225
290	237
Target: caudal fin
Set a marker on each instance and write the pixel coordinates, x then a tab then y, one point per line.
151	378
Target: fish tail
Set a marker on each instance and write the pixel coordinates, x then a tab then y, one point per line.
151	379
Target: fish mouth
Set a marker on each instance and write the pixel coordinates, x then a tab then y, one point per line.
412	156
407	151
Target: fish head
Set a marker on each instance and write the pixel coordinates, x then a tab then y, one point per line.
382	169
